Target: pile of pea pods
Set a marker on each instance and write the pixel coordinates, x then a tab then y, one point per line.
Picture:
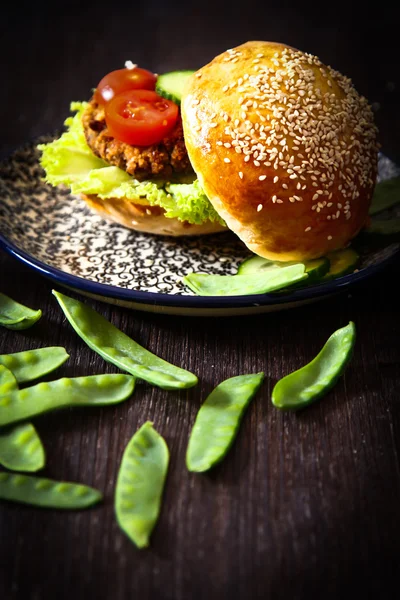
143	470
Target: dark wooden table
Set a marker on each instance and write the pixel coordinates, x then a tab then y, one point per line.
305	505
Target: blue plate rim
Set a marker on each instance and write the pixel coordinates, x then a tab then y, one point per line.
111	292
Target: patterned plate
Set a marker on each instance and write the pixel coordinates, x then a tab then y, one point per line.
56	234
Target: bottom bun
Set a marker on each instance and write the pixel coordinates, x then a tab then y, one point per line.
149	219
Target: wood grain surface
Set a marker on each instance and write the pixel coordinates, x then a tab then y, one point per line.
305	505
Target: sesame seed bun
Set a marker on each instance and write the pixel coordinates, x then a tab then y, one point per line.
145	218
284	148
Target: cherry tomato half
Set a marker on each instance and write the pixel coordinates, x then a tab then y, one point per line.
122	80
140	117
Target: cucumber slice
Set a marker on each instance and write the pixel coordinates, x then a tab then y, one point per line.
254	263
342	262
315	268
170	85
386	195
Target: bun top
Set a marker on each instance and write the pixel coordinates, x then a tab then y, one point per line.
284	147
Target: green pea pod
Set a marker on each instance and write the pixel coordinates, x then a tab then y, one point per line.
261	282
218	421
8	382
386	194
21	448
384	227
93	390
140	484
16	316
38	491
32	364
314	268
314	380
119	349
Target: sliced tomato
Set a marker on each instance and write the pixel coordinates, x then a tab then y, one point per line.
122	80
140	117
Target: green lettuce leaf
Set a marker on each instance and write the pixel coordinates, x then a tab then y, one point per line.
68	160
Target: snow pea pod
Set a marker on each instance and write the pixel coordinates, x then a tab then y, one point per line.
48	493
92	390
32	364
314	380
16	316
21	448
8	382
140	484
261	282
314	268
218	421
384	227
119	349
386	194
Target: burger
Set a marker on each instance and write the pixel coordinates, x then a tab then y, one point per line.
265	141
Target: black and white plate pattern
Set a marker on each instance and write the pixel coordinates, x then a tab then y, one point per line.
58	235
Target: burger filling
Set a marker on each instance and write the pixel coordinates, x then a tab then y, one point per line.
91	162
165	159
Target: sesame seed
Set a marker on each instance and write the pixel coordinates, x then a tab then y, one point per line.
262	177
259	207
307	229
276	179
227	160
274	198
240	174
329	237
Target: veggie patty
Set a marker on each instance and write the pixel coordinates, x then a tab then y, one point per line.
159	160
